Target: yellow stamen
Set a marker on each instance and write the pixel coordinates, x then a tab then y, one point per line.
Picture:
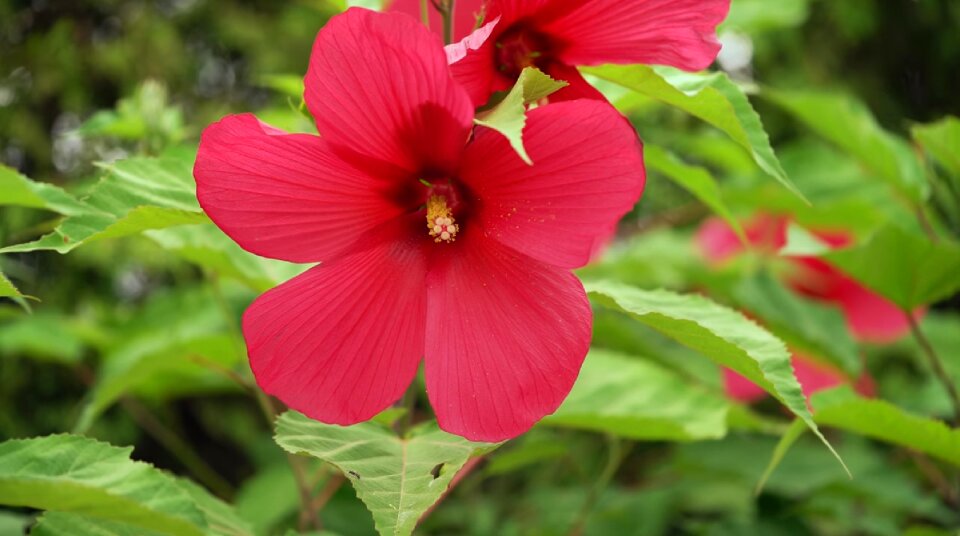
440	221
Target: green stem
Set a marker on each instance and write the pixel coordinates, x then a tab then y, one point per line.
178	447
307	513
937	365
617	453
447	13
425	13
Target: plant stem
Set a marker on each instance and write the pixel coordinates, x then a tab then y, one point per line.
425	13
937	364
178	447
616	455
307	513
449	6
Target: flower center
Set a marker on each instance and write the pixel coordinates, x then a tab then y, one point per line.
440	222
519	48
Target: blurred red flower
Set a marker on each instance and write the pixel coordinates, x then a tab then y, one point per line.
436	241
558	35
869	316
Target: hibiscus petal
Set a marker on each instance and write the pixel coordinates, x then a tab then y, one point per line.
285	196
577	86
465	14
680	33
506	336
871	317
471	63
587	173
341	342
378	84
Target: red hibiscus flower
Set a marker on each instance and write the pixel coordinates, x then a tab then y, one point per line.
436	241
869	316
557	35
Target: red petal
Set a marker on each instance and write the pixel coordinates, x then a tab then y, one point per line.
871	317
471	63
285	196
378	84
680	33
587	173
506	337
341	342
577	88
465	14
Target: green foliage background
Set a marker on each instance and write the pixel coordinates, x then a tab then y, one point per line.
133	337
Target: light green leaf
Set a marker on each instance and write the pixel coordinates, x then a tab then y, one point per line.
942	141
712	97
803	243
68	524
509	116
135	195
165	362
7	289
207	247
847	123
43	336
754	16
398	479
638	399
723	335
17	190
906	268
84	476
878	419
803	324
696	180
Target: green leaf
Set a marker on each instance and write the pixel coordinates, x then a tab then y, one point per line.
135	195
509	116
43	336
754	16
803	324
17	190
696	180
638	399
878	419
790	436
723	335
7	289
942	141
207	247
398	479
166	362
68	524
906	268
847	123
84	476
712	97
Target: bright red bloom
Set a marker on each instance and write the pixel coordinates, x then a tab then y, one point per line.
436	240
557	35
870	317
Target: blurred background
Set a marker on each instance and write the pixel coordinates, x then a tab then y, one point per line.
134	340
